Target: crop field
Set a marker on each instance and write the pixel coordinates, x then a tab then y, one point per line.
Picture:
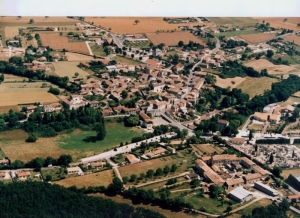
232	82
277	22
25	93
13	78
36	20
126	25
5	109
292	38
78	57
273	69
11	32
257	38
57	42
172	39
236	33
68	69
95	179
97	49
125	60
142	44
256	86
207	149
26	43
236	21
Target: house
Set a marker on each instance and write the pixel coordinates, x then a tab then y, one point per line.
193	176
112	68
240	195
22	175
247	163
232	183
224	159
2	175
238	141
73	170
178	67
293	198
132	158
146	121
222	124
265	188
75	101
97	164
41	50
252	178
157	52
4	162
263	117
156	152
31	108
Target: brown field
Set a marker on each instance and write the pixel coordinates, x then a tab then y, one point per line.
26	43
208	149
236	21
11	32
286	173
123	25
78	57
36	20
172	39
95	179
256	86
13	78
257	38
5	109
224	83
277	22
272	69
289	101
66	68
292	38
57	42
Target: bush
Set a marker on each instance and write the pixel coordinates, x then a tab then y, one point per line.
31	138
54	91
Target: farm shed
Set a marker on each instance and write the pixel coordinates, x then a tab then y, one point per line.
240	195
132	159
266	189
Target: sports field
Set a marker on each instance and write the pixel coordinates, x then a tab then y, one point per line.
66	68
256	86
126	25
257	38
272	69
25	93
103	178
172	39
232	82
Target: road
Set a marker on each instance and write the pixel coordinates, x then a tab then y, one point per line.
88	46
247	123
116	40
123	149
174	123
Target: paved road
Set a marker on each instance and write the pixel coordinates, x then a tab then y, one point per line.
88	46
123	149
295	210
175	123
247	123
116	40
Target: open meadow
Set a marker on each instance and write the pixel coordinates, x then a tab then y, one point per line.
126	25
256	86
237	33
292	38
78	144
78	57
248	210
103	178
14	78
232	82
25	93
273	69
257	38
236	21
125	60
172	39
278	22
289	101
68	69
57	42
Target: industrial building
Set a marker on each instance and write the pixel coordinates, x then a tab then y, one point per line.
240	195
266	189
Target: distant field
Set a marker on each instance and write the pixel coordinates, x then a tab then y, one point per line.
172	39
232	82
96	179
57	42
257	38
236	21
125	60
43	20
11	32
13	78
126	25
256	86
293	38
272	69
237	33
25	93
66	68
5	109
277	22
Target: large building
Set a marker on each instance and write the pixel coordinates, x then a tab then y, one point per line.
240	195
294	180
266	189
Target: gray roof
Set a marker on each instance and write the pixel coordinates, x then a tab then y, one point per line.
240	193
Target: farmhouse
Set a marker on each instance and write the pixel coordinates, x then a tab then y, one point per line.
240	195
75	101
4	162
132	159
193	176
97	164
145	121
22	175
156	152
73	170
252	178
229	184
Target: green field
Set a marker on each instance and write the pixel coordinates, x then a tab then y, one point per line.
142	44
125	60
237	33
97	50
85	140
236	21
248	210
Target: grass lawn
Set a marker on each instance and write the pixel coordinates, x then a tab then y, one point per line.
85	140
56	174
141	44
256	127
236	33
248	210
159	185
125	60
212	205
97	50
95	179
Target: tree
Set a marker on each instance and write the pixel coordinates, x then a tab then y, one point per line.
271	160
124	53
16	60
48	178
136	22
166	169
216	191
277	171
115	187
180	44
296	113
195	183
54	91
125	179
150	174
132	120
31	138
31	21
132	55
174	168
124	94
46	17
64	160
250	135
133	177
76	74
270	53
99	128
159	172
2	125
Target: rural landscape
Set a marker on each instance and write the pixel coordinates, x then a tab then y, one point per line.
150	116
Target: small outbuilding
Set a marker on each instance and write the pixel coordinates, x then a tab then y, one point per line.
240	195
